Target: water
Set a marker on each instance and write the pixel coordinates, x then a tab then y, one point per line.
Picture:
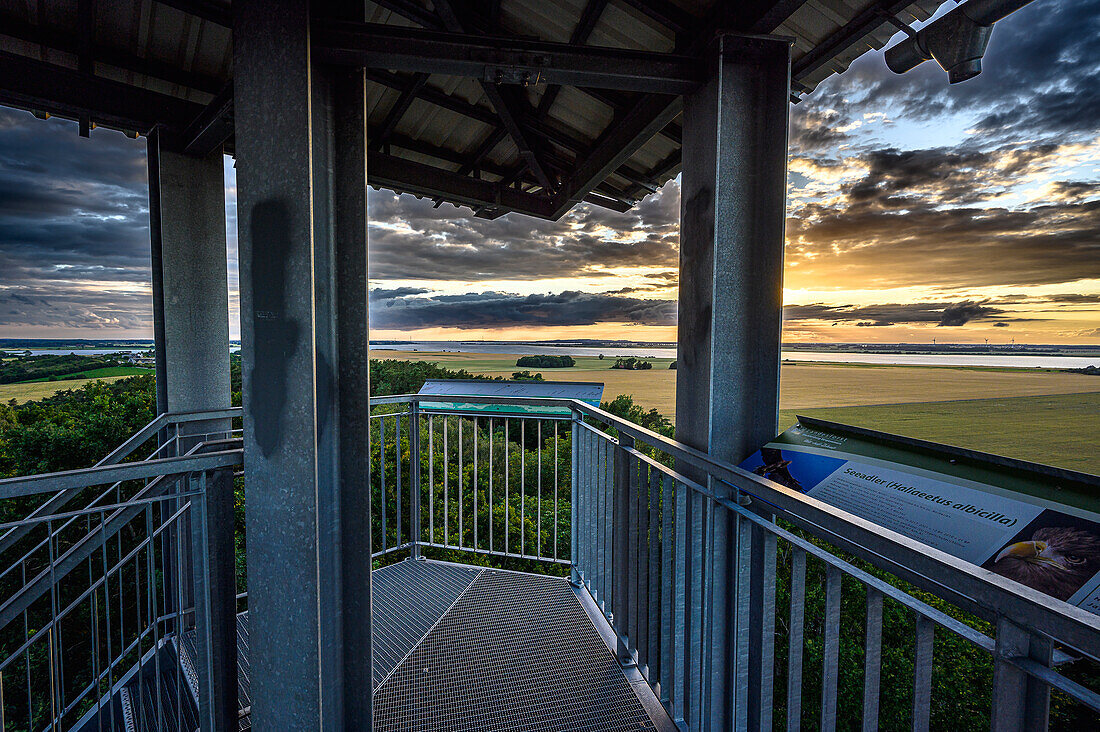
911	359
948	359
520	348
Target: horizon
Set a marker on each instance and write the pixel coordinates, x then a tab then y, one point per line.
916	211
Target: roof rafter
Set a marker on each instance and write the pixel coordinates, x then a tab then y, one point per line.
72	43
36	85
508	60
506	108
397	111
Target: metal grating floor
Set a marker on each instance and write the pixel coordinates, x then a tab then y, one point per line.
516	652
408	598
465	649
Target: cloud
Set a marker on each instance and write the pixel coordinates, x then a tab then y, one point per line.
506	310
868	316
410	239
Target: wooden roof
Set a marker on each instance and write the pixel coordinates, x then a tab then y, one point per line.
608	134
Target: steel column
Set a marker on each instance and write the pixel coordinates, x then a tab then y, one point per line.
301	173
732	212
191	336
190	295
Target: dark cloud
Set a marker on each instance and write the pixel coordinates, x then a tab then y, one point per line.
867	316
962	313
505	310
411	239
1040	76
74	245
875	235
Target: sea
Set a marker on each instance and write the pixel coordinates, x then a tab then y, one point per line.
521	348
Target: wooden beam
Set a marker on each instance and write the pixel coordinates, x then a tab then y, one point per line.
616	145
211	128
506	109
72	43
397	111
38	86
505	60
840	41
406	176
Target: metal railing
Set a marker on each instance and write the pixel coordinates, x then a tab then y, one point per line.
685	555
489	484
96	582
742	603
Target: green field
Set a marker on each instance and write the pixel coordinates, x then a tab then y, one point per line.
1059	429
26	392
1041	415
96	374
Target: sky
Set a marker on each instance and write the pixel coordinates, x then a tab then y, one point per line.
916	211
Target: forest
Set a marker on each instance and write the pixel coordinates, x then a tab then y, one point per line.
496	481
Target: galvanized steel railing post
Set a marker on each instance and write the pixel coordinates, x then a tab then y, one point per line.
414	477
1019	701
620	542
574	479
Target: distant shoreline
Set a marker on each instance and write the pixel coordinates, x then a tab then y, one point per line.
829	352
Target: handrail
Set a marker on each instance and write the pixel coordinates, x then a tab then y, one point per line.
120	453
84	477
1029	608
920	563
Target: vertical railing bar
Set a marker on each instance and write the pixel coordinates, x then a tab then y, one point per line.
796	640
625	537
446	496
654	580
668	511
382	476
150	578
507	487
607	497
476	512
179	613
600	528
52	638
416	487
576	507
522	485
831	655
641	567
431	478
697	599
538	491
555	490
491	471
397	455
27	656
922	673
767	639
107	612
602	522
678	690
461	479
872	660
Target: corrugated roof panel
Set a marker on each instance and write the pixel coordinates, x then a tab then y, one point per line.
186	44
621	26
581	113
550	21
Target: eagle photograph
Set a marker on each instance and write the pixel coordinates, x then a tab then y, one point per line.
1055	554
